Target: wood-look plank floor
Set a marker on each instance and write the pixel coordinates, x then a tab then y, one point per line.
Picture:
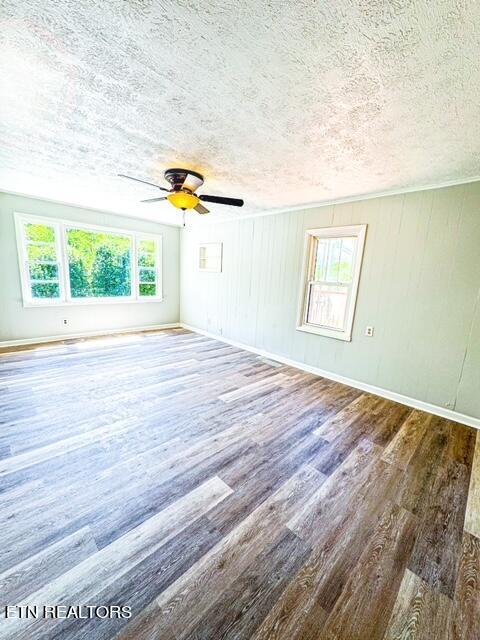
220	495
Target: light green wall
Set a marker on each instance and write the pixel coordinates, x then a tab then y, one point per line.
18	322
419	288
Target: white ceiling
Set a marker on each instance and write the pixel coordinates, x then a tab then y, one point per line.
281	103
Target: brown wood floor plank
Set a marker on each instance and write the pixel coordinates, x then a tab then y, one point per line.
335	425
363	610
386	421
341	535
244	604
343	484
466	609
437	550
436	554
297	613
472	514
420	612
402	447
419	476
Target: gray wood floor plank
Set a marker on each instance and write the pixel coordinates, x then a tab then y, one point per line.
40	569
94	574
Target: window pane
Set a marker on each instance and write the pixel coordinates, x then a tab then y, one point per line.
347	253
321	259
41	252
334	260
39	232
327	305
44	271
147	246
99	264
46	290
146	260
148	289
147	275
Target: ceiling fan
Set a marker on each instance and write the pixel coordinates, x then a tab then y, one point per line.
183	185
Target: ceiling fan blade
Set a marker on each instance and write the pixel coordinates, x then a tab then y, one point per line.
121	175
201	209
234	202
154	199
192	182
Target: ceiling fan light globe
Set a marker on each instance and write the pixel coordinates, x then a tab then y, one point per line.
183	199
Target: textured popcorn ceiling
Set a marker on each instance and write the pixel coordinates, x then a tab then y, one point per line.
282	103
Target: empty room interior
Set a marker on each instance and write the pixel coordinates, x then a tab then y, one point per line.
239	320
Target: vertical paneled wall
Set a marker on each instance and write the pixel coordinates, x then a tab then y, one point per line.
419	288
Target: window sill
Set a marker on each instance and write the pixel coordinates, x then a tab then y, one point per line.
327	333
90	301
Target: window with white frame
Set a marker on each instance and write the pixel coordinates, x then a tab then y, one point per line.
148	265
330	280
63	263
210	257
41	264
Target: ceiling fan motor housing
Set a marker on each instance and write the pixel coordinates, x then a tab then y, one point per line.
177	177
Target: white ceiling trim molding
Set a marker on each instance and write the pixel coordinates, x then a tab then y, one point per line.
203	220
353	198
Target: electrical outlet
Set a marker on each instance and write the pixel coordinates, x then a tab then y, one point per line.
369	332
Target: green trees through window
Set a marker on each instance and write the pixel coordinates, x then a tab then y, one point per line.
99	264
64	263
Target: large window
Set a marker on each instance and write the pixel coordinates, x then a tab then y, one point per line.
65	263
330	281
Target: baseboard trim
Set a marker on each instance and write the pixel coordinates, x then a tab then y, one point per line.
357	384
87	334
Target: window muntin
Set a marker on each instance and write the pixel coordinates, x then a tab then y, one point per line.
65	263
331	280
210	257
